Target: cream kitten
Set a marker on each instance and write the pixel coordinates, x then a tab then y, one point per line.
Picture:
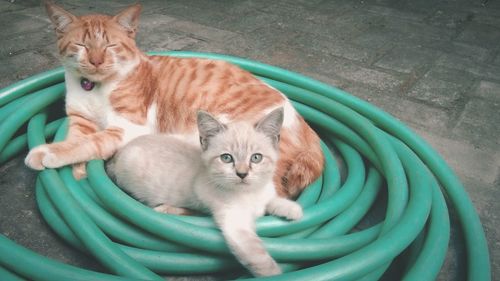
229	175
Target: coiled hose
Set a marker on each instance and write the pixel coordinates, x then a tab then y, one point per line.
381	155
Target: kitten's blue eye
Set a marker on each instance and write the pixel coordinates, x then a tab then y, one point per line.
226	158
256	158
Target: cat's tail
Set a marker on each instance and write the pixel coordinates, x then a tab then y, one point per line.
301	160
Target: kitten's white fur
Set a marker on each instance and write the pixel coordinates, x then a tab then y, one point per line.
164	172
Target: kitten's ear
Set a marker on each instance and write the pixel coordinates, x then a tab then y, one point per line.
271	124
58	16
129	19
208	127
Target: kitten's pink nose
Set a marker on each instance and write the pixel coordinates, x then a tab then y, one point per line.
241	175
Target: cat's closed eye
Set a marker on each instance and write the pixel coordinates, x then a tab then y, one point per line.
82	45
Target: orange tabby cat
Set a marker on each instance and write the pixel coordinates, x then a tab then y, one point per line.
116	93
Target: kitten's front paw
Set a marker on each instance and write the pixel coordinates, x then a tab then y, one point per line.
285	208
269	268
294	212
35	157
167	209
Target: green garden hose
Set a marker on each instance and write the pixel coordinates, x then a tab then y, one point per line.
383	158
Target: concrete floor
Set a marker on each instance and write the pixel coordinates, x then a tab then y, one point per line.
433	64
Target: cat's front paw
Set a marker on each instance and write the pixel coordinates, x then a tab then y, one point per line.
79	170
35	157
53	160
42	157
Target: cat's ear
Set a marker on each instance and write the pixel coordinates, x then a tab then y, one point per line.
58	16
129	19
271	124
208	126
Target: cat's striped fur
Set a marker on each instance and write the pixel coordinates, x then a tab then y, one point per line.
137	94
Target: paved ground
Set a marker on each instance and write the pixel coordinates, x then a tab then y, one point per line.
433	64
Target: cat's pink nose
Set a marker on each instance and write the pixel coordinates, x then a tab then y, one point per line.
96	57
96	61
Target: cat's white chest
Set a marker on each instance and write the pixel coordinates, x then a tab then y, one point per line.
95	106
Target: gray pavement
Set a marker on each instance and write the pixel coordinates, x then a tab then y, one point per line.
435	65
